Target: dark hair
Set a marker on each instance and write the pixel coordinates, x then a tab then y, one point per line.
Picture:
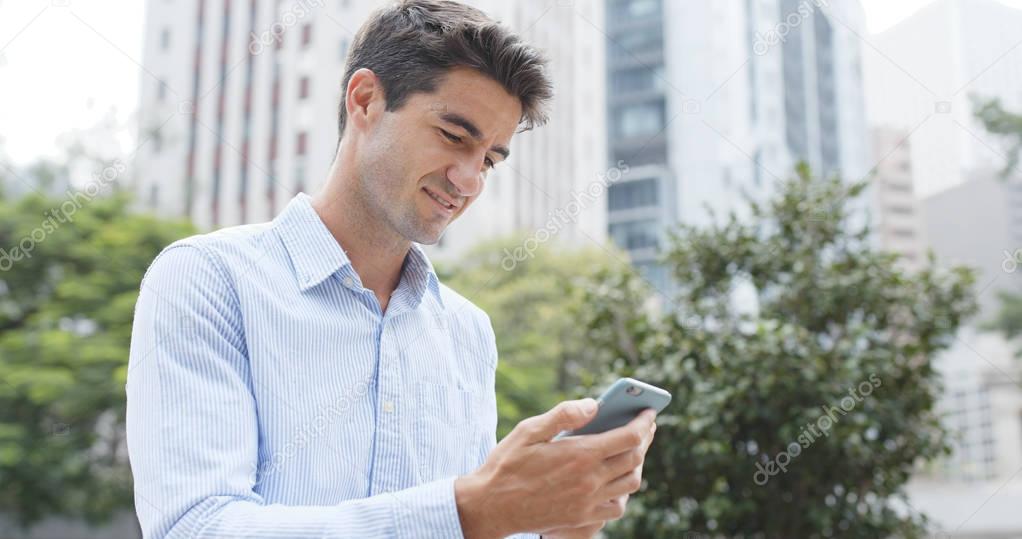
412	44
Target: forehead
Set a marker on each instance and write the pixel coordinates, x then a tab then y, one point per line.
478	98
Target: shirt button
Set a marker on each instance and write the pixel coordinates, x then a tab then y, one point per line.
388	406
348	282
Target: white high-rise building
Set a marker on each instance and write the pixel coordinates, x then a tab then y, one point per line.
544	186
246	115
708	99
897	216
923	73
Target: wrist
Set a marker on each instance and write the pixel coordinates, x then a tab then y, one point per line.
477	522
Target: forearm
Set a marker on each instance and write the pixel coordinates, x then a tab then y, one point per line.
423	511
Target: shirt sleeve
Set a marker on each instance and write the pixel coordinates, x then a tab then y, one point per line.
192	432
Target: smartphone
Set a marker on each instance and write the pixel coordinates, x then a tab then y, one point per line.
620	403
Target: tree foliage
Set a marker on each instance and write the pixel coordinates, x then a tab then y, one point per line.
1006	124
533	298
999	121
831	337
70	275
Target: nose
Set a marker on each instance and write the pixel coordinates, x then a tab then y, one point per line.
466	176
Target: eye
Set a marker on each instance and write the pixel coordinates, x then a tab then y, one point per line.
450	136
489	163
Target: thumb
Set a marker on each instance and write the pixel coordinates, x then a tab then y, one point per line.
567	415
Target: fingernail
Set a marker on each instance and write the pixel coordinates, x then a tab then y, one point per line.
589	405
652	428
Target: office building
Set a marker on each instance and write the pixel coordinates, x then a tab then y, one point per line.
238	108
924	73
710	99
978	224
896	217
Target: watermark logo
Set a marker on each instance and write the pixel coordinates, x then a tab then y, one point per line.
814	431
309	431
287	19
562	217
779	33
55	217
1011	261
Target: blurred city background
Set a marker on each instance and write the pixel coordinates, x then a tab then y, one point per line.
767	206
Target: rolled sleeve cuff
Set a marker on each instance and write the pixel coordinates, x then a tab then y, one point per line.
428	510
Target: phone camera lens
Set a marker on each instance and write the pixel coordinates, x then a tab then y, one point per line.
634	391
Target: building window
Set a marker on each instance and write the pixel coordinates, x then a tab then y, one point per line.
165	39
633	235
300	143
161	91
652	153
641	79
303	88
306	34
157	143
300	178
635	8
629	195
630	45
344	49
640	119
901	209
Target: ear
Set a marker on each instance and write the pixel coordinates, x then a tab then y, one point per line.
363	99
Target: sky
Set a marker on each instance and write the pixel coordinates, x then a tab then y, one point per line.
64	64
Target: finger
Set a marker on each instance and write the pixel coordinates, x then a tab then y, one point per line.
567	415
625	437
627	483
612	509
622	463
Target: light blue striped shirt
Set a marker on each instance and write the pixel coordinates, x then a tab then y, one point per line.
268	396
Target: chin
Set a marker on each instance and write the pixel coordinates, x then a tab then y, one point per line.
425	234
430	237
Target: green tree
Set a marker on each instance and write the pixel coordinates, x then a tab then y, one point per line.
826	322
1006	124
1008	320
533	298
69	276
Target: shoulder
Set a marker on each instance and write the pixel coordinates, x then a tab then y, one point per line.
210	256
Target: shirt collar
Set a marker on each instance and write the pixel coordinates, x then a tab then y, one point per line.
316	255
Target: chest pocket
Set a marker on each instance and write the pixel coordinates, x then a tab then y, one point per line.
447	432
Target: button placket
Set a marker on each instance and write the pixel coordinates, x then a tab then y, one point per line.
389	419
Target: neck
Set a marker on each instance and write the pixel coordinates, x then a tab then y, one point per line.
376	252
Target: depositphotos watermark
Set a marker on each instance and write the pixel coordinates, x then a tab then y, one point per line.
779	33
309	431
813	431
561	217
288	18
60	215
1011	261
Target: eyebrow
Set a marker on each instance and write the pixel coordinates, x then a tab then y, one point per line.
473	131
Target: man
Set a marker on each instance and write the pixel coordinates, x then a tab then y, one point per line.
310	377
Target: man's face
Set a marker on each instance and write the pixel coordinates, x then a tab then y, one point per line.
422	165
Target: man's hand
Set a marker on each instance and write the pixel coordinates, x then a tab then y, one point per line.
564	488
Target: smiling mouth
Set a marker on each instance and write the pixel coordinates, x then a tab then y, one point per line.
444	203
